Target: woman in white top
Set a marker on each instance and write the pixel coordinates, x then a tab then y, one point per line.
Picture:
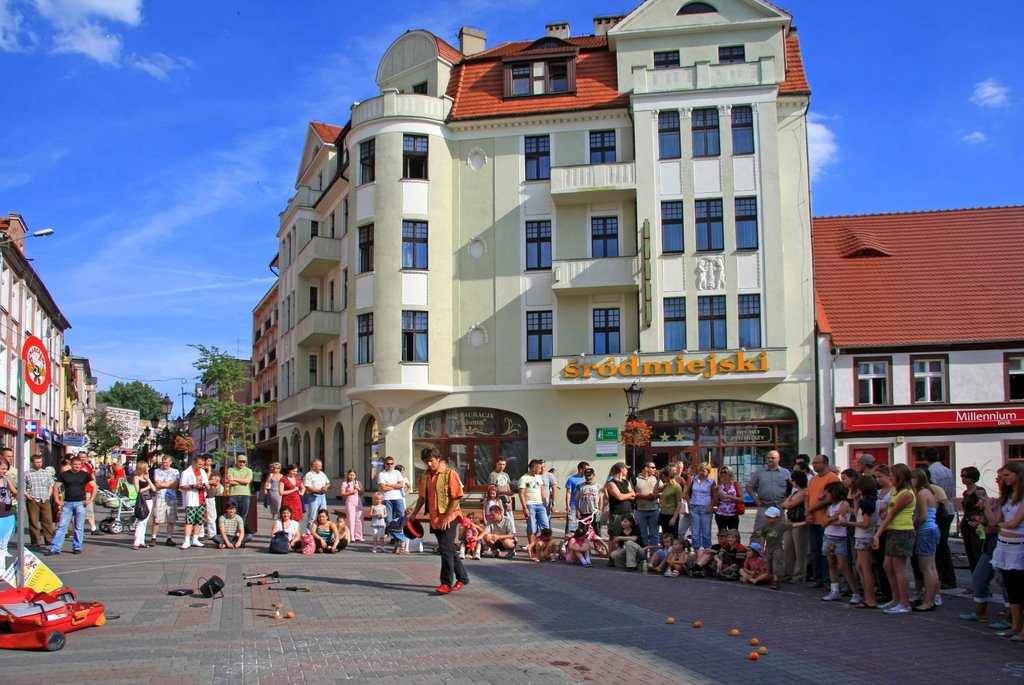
864	528
289	526
1009	554
702	495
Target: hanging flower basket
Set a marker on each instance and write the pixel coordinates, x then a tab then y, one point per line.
184	443
636	433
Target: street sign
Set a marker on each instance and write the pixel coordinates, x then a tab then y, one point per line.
75	439
37	365
607	441
607	434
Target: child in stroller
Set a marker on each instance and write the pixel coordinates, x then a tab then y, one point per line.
121	508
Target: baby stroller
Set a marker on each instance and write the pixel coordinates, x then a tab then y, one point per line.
121	505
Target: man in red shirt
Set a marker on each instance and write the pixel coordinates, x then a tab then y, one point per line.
440	490
816	516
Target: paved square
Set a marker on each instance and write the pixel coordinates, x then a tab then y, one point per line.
374	618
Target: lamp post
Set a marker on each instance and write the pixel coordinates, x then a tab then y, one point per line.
634	394
166	405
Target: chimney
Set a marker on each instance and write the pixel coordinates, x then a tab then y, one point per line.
602	24
471	40
559	29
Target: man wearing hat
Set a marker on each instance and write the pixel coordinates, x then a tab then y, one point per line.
864	464
440	491
238	481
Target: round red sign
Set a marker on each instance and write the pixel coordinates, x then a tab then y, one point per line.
37	365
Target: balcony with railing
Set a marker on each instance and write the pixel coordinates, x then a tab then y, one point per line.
588	182
405	105
310	402
606	275
318	256
317	328
704	75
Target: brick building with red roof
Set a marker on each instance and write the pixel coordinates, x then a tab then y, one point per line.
922	339
506	237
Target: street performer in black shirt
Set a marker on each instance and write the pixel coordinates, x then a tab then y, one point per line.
76	497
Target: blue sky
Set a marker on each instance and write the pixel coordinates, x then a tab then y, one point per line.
161	140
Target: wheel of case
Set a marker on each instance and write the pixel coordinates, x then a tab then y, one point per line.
55	641
105	526
116	527
600	548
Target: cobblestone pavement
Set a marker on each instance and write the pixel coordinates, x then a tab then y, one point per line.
374	618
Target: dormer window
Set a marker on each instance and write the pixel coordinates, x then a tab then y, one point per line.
541	77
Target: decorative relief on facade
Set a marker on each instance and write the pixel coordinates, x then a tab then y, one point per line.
711	273
478	335
477	247
477	159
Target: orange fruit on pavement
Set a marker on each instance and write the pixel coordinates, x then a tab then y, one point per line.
754	642
697	624
762	650
754	656
670	620
290	614
735	632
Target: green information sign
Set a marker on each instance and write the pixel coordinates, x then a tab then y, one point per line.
607	434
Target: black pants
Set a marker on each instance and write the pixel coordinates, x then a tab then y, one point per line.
819	562
972	545
943	556
727	522
451	566
881	577
242	502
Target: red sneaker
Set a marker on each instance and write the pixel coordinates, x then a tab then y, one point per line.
443	589
458	586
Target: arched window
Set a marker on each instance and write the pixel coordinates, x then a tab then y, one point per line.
339	448
473	439
305	452
284	451
696	8
373	463
723	432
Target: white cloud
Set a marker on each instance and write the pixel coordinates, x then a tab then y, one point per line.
821	143
10	28
974	137
989	93
158	65
72	12
90	40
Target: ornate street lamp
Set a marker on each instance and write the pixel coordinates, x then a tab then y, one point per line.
166	405
634	394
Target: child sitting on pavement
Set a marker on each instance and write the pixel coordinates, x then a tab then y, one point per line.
656	554
231	529
755	570
577	550
500	533
543	547
676	559
470	531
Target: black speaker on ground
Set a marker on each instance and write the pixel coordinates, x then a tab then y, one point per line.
212	587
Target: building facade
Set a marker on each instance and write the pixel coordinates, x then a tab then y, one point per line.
27	309
264	380
490	251
922	342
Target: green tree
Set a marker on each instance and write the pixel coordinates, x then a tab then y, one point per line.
104	434
226	377
134	395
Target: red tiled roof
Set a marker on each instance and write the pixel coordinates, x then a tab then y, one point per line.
931	277
447	52
477	85
796	79
327	132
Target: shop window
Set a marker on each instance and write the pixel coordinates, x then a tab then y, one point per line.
474	439
1014	377
873	381
1015	451
929	376
918	460
882	455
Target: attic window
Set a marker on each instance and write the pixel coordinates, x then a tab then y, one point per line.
548	77
549	43
696	8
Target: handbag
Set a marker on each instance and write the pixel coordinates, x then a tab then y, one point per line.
279	543
141	509
797	514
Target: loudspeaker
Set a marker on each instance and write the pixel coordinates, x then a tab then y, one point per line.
212	587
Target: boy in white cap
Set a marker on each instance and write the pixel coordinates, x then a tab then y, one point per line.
771	535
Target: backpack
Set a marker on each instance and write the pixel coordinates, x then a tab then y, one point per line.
308	544
279	543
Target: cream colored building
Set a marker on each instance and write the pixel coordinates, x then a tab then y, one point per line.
506	238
